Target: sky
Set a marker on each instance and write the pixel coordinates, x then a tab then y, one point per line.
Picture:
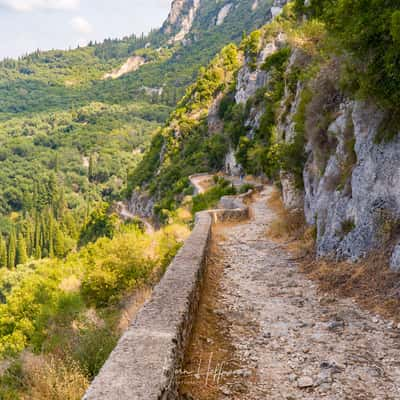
27	25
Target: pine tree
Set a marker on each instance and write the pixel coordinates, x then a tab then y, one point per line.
21	255
12	249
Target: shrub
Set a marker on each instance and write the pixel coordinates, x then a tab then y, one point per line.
245	188
121	266
52	378
210	198
370	33
92	347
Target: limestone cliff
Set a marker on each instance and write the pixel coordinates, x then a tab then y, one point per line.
350	180
180	19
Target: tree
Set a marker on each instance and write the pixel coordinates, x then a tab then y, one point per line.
3	252
21	254
100	224
12	249
59	248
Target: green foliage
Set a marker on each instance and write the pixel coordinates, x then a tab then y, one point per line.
389	127
93	346
395	26
210	198
11	381
370	33
254	155
347	226
99	224
251	45
52	293
277	60
246	187
185	146
291	155
119	268
21	255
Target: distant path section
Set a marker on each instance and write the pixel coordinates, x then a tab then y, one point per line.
202	182
122	210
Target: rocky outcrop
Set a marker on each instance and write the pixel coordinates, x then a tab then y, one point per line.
231	166
141	204
214	122
131	64
358	212
351	181
180	19
223	13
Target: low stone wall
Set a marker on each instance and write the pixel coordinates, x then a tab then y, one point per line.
145	363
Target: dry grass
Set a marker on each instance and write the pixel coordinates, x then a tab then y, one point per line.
290	226
132	306
51	378
370	282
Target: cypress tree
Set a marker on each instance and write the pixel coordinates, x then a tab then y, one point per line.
58	242
91	168
51	235
3	252
38	234
21	255
12	249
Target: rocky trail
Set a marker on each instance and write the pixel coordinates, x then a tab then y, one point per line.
264	331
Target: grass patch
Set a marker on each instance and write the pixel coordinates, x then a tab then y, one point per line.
290	225
370	282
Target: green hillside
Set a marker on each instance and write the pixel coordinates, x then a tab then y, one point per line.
69	139
62	122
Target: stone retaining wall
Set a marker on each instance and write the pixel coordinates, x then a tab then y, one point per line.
145	363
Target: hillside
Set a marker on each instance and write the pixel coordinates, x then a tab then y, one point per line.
297	102
72	123
307	100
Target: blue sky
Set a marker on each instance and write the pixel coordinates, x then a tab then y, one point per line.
26	25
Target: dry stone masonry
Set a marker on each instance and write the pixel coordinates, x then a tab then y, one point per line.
147	358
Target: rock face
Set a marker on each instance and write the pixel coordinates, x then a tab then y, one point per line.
214	122
249	80
131	64
354	219
141	204
231	165
180	19
223	14
353	195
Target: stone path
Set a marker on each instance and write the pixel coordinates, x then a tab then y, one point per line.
290	342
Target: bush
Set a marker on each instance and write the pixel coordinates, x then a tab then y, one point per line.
210	198
370	33
245	188
92	347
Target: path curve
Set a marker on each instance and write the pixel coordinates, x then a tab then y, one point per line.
123	211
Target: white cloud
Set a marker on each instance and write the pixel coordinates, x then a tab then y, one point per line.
81	25
31	5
